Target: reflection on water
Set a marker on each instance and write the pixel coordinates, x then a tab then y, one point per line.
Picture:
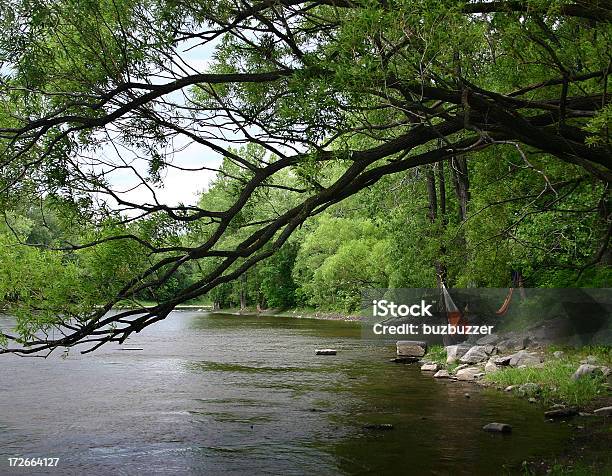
237	395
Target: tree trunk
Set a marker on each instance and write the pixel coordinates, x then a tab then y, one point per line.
461	182
243	291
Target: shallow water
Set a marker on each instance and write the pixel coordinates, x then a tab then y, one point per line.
214	394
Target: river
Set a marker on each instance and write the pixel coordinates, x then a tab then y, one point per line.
215	394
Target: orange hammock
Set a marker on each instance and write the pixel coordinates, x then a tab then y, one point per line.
504	308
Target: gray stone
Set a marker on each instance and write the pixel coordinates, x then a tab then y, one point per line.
498	428
468	373
559	354
509	388
590	359
490	339
325	352
604	411
490	367
529	388
513	343
502	360
442	374
430	367
476	354
455	352
522	357
411	348
585	370
532	400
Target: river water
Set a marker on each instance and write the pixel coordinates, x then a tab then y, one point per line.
215	394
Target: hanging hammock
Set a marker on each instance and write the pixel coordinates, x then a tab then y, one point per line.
504	308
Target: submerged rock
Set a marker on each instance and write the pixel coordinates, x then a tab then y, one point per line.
498	428
326	352
411	348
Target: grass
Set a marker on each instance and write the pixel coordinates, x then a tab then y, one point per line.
437	354
555	378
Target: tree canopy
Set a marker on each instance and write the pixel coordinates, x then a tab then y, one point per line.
341	126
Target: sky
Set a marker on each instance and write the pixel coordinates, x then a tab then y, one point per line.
177	186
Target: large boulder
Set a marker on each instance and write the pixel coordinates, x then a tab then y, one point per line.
522	357
455	352
469	373
478	353
586	370
411	348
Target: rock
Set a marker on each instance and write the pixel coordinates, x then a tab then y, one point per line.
411	348
378	426
466	395
585	370
325	352
498	428
490	367
455	352
502	361
558	354
404	360
561	412
490	339
590	359
532	400
476	354
462	366
604	411
430	367
442	374
522	357
509	388
529	388
468	373
513	343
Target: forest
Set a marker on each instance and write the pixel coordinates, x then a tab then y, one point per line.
361	144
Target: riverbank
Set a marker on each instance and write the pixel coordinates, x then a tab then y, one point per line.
296	313
573	387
